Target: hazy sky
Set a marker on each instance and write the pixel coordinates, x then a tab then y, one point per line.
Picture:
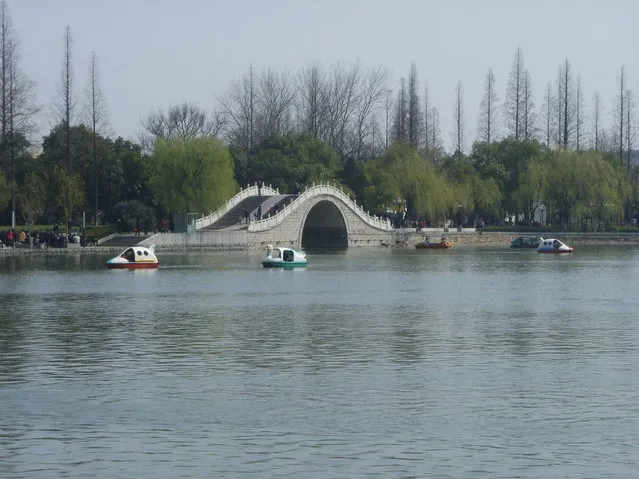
154	53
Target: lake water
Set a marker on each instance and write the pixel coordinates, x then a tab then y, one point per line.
472	362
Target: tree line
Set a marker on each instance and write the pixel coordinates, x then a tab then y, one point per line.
342	123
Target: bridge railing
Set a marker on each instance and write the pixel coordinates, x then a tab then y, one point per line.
250	190
316	190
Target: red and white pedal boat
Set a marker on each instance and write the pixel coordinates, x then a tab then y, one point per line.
135	257
554	246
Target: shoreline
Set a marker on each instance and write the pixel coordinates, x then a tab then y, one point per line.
402	240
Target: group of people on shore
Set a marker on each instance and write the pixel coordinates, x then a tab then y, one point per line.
53	238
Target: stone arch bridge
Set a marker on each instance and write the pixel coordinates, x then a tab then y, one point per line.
322	215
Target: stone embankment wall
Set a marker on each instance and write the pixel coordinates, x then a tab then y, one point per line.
472	237
406	238
223	240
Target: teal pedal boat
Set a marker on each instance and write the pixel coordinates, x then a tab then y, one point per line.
281	257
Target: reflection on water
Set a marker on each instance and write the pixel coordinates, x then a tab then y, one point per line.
471	362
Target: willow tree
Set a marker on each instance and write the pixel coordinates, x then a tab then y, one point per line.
5	190
609	188
33	197
192	175
415	180
473	188
69	191
583	186
531	192
483	195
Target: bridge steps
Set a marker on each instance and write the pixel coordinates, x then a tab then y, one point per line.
233	216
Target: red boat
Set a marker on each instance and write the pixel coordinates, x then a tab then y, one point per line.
443	244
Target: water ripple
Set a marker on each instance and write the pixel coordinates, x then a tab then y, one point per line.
479	363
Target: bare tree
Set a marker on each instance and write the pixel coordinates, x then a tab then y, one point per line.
488	109
238	109
630	126
596	120
95	112
579	115
369	101
17	105
401	113
97	119
566	103
184	121
65	103
414	116
607	140
619	114
275	100
549	101
528	107
559	118
341	105
388	106
514	96
428	124
436	143
459	118
251	123
312	99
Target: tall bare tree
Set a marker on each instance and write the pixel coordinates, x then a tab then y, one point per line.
414	115
631	130
96	116
428	123
401	113
275	100
251	122
579	115
370	98
566	106
460	137
488	109
344	86
559	118
548	109
388	107
238	108
619	114
528	107
514	97
569	104
436	144
596	121
17	105
65	104
312	104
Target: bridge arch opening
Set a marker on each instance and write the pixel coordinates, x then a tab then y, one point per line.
324	227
